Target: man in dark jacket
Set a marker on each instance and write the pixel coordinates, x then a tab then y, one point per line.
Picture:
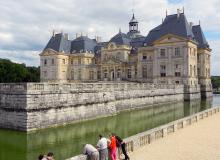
121	143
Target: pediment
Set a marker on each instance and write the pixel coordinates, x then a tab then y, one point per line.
48	52
169	38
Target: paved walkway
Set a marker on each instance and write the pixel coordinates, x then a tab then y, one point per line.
199	141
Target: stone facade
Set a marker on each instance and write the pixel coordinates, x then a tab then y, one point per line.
39	105
171	58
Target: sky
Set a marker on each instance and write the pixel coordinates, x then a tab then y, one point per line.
27	25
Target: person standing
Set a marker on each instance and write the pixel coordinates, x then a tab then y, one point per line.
91	151
121	143
113	147
102	146
50	156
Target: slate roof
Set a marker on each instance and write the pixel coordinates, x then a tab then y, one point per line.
59	43
199	36
99	46
121	39
138	41
172	25
82	44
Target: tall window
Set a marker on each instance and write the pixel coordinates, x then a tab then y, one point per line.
91	75
79	74
129	73
177	51
105	74
194	70
198	71
177	74
162	52
190	70
144	72
162	70
45	62
64	62
72	74
99	74
79	61
52	61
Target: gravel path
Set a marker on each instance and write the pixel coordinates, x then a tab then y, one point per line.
199	141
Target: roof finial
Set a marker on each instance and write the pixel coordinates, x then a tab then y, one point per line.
199	22
119	30
162	20
166	12
183	10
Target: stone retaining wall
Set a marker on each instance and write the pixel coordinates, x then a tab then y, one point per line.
30	106
145	138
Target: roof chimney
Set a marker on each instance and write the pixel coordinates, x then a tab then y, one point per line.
191	24
66	36
178	13
98	39
77	35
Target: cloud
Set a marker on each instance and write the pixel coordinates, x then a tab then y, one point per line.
26	26
30	58
215	57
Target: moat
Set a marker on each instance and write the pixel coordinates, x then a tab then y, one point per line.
66	141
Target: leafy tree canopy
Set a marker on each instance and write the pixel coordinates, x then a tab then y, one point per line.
13	72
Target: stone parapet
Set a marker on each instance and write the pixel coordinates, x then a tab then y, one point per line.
145	138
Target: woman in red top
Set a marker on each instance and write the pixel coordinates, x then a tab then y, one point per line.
112	147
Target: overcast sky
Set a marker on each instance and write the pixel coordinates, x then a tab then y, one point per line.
26	25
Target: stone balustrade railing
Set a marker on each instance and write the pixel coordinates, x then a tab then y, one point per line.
145	138
7	87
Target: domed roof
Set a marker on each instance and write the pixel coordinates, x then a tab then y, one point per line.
133	20
121	39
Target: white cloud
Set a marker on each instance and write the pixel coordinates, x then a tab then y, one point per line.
30	58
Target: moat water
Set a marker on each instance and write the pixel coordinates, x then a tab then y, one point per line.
67	141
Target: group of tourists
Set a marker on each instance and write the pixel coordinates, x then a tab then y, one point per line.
49	156
106	148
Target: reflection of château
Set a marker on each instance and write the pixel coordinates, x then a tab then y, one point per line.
175	52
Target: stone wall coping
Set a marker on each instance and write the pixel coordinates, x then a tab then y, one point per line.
147	137
103	86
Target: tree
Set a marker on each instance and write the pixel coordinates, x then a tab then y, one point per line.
13	72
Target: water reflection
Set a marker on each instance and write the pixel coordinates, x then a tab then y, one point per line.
67	141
